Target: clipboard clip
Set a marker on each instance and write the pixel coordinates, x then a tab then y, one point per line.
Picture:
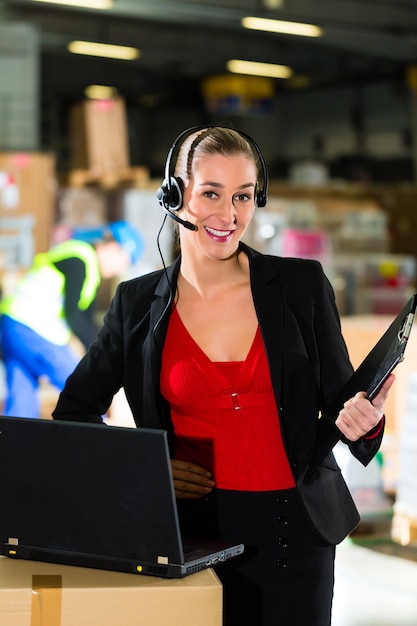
404	332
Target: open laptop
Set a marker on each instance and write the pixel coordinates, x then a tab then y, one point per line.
369	376
94	496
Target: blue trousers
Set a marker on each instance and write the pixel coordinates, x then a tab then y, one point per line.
27	356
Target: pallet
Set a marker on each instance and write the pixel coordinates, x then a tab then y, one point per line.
129	176
404	529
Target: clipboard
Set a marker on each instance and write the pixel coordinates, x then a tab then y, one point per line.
369	376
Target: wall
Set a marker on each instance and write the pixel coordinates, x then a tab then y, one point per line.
19	87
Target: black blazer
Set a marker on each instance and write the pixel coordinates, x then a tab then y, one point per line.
307	355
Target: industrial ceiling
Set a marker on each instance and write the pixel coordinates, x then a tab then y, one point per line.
182	42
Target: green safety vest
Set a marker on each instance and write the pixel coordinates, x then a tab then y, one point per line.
39	297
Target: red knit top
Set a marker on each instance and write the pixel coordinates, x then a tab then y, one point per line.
224	414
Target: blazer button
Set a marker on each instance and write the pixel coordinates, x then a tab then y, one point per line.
282	563
282	542
282	500
282	520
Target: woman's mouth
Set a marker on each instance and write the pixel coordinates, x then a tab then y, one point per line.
219	235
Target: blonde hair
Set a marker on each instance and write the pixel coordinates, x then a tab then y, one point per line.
209	141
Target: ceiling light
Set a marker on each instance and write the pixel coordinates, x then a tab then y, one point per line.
92	48
278	26
88	4
259	69
273	4
100	92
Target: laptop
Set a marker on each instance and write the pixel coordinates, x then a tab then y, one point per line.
370	376
94	496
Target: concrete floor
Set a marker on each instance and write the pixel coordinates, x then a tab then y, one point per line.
373	588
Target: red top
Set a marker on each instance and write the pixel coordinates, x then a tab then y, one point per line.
224	414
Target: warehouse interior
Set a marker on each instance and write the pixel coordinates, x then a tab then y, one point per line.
338	130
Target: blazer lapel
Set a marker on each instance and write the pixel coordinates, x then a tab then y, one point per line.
267	296
154	414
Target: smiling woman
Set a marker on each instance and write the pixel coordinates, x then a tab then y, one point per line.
170	194
235	354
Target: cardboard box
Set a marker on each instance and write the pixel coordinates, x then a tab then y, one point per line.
82	207
399	203
43	594
28	190
98	136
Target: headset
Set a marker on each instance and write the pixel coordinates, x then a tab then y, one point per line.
170	194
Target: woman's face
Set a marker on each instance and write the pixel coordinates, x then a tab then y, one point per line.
220	201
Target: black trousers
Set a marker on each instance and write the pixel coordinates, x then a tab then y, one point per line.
285	576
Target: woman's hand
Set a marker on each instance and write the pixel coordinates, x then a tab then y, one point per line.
359	416
191	481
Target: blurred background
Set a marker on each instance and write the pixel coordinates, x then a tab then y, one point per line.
93	94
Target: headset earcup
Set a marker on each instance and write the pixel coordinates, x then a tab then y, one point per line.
162	194
170	196
176	195
261	198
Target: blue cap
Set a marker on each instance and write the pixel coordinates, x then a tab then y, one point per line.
129	238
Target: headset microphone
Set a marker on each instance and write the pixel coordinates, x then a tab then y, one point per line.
175	217
184	223
169	208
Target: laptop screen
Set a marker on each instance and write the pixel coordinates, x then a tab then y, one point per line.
88	489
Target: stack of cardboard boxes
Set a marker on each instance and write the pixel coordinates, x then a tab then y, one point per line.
99	145
27	210
28	188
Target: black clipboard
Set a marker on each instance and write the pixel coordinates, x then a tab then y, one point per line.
369	376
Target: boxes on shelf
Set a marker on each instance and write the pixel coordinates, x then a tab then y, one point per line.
43	594
374	283
99	136
362	230
27	203
81	207
384	300
353	218
85	207
140	207
309	172
399	205
305	244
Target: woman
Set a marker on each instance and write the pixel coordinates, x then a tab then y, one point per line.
235	353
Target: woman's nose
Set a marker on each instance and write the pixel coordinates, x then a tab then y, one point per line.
228	211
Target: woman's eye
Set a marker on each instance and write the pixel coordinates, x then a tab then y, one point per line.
242	197
210	194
